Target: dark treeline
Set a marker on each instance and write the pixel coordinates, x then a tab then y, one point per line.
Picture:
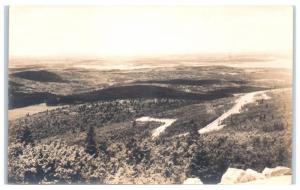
191	81
147	91
20	99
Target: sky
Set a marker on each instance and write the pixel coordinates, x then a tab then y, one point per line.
97	31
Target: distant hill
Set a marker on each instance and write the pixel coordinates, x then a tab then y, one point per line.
129	92
145	91
40	76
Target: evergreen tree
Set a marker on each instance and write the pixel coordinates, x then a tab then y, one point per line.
134	123
209	169
193	129
90	142
103	147
26	136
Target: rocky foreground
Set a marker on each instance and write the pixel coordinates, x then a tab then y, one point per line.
269	176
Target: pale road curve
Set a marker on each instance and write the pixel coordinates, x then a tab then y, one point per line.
216	124
156	132
240	102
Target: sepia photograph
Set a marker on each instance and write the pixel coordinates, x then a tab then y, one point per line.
150	94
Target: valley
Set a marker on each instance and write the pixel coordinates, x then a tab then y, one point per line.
154	125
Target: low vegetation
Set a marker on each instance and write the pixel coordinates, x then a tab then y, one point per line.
132	156
80	117
96	139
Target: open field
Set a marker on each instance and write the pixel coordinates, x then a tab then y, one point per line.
28	110
144	125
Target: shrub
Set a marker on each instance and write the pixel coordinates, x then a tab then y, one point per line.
90	142
53	163
26	136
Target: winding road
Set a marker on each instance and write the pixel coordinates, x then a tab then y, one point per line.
240	102
156	132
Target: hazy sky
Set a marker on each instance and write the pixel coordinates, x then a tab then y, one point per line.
148	30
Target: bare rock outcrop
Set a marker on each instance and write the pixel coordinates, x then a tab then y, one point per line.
236	176
277	180
278	171
192	181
